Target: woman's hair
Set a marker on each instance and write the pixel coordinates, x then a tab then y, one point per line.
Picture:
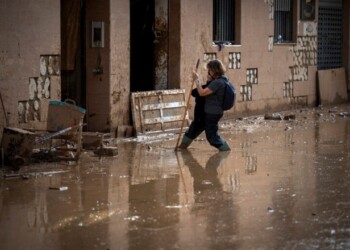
217	68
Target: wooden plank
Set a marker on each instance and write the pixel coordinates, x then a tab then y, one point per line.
163	119
163	105
158	111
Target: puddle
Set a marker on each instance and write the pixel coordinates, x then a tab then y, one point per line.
284	185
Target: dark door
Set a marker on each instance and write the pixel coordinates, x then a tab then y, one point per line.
73	83
141	45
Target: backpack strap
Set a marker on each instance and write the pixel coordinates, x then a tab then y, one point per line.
223	99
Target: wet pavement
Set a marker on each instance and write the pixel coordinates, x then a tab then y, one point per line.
284	185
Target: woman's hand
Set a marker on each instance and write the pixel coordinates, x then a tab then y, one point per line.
195	76
201	91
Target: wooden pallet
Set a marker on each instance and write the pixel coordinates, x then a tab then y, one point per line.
158	111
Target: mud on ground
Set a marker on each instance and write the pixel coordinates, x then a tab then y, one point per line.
284	185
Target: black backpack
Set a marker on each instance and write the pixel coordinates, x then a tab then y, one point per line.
229	99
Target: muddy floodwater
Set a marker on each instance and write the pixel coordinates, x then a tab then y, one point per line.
284	185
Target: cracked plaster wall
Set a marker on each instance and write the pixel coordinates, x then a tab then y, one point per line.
32	36
267	76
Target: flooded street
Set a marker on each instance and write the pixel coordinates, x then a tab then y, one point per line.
284	185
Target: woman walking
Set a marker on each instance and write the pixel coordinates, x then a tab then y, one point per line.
213	112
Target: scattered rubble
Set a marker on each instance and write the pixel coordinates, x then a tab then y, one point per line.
278	116
273	116
106	151
26	176
63	141
60	188
22	145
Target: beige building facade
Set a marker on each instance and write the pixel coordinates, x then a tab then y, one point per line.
96	53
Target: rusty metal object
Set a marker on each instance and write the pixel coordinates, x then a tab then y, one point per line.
106	151
62	141
17	144
48	136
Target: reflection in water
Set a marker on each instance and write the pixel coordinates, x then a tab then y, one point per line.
332	183
251	164
251	160
154	198
214	207
154	188
165	200
150	221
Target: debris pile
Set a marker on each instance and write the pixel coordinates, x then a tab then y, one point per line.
62	141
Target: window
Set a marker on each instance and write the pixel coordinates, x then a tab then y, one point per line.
224	21
284	17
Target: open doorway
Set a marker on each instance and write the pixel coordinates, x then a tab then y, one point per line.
141	45
148	45
73	75
157	102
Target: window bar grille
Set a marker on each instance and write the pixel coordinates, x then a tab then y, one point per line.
223	20
283	22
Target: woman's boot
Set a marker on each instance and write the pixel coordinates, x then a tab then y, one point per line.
225	147
185	142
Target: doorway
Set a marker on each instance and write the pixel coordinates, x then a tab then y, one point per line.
141	45
73	75
148	45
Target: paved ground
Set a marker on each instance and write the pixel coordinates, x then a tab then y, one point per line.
285	185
